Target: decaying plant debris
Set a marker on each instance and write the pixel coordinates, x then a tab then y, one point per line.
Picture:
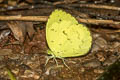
25	20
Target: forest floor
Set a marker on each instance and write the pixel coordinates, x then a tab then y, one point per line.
30	64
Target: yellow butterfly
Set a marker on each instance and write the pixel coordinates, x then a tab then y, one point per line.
65	36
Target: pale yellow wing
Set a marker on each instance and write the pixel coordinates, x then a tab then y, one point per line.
68	40
58	16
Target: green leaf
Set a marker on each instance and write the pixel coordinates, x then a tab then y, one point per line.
10	74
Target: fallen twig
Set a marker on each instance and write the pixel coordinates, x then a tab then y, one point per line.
64	2
44	18
25	18
96	21
96	6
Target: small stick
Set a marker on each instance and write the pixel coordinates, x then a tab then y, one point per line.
95	21
64	2
96	6
25	18
45	18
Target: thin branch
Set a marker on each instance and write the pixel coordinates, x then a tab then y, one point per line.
96	6
25	18
45	18
64	2
95	21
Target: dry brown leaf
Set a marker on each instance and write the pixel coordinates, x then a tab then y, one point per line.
30	29
19	30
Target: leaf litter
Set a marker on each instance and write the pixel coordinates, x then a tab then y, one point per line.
30	65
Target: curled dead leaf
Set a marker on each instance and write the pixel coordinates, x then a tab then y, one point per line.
30	29
19	30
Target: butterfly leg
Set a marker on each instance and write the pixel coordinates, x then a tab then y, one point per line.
48	58
63	60
54	58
